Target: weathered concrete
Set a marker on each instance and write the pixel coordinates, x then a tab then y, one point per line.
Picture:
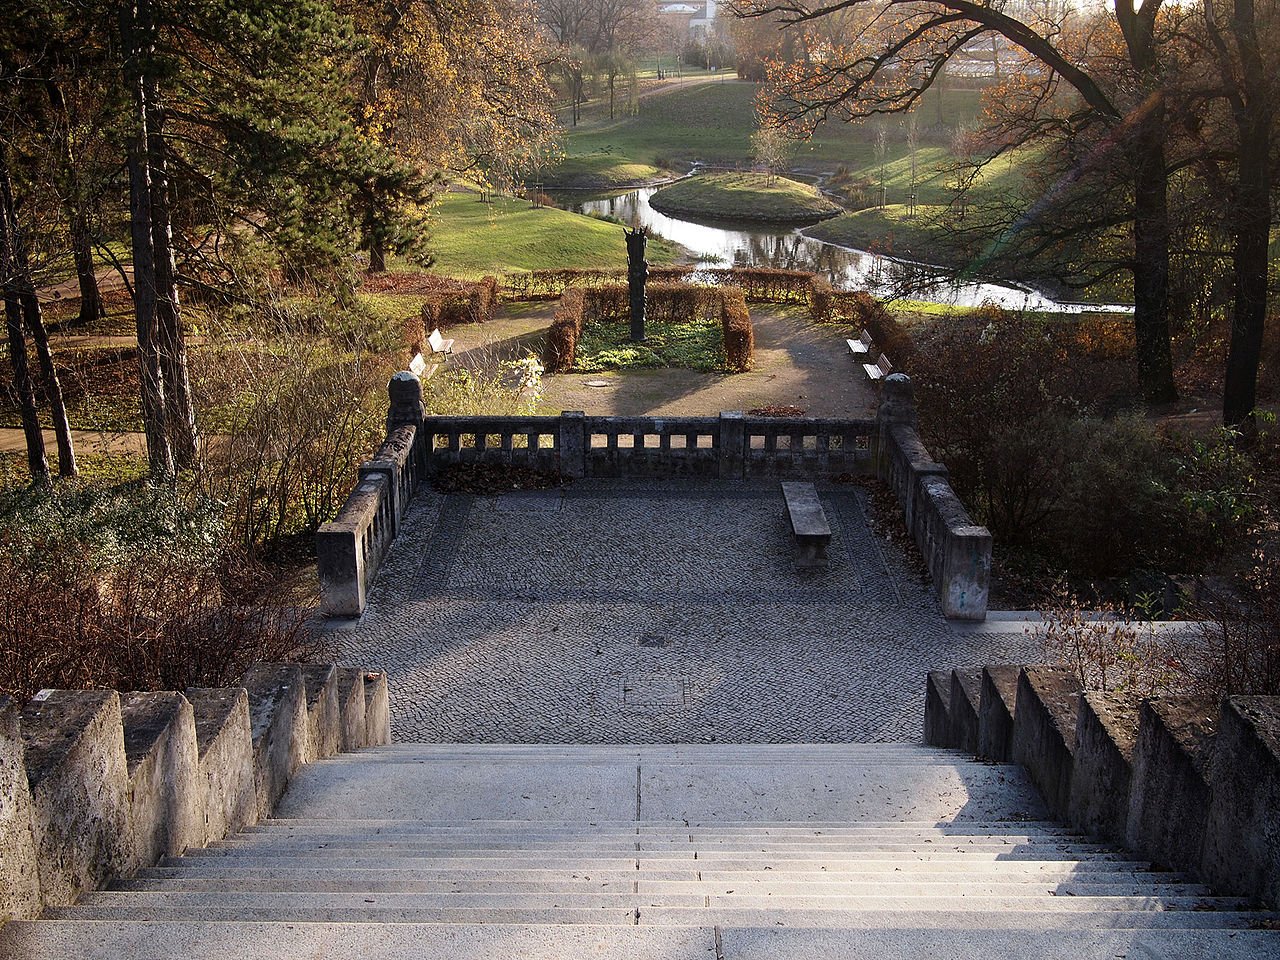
1242	830
76	767
19	875
1044	731
966	688
349	547
278	716
997	707
1169	793
572	443
377	710
1106	729
404	393
224	740
351	707
937	709
324	726
164	775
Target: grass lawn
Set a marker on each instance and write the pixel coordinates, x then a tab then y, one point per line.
601	171
744	196
608	346
890	230
470	239
714	122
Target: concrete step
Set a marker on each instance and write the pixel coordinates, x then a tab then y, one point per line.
712	859
1044	939
816	846
656	828
859	885
404	907
232	876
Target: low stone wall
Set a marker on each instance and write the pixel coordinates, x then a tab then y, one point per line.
1189	785
96	784
728	447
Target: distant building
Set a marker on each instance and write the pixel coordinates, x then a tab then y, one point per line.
697	20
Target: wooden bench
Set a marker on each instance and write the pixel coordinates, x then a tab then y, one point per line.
880	369
861	347
420	368
808	525
439	344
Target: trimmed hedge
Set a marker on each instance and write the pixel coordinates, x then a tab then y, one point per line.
665	303
459	302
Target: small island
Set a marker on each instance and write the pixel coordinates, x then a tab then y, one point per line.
753	197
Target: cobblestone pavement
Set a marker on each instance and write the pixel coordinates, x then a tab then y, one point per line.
652	612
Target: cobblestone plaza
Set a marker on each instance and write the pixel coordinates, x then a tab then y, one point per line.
653	612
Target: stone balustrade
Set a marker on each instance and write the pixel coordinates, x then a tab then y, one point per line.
1189	785
729	447
96	784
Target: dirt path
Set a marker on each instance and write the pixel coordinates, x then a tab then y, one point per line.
95	442
798	363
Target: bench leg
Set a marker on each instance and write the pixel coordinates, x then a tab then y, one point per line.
812	556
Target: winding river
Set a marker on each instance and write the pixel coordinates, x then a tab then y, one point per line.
738	244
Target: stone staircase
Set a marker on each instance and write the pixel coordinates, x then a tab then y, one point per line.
663	852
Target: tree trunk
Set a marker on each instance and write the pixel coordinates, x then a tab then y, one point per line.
134	32
1254	115
74	205
1151	258
377	253
37	462
19	285
180	418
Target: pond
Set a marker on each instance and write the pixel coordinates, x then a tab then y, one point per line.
761	245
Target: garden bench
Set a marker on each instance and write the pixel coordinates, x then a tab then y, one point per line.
861	347
808	525
439	344
880	369
419	367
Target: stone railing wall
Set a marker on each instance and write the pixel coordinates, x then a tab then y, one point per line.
728	447
1189	784
96	784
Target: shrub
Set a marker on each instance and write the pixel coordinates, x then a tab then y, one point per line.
739	335
562	337
458	302
133	588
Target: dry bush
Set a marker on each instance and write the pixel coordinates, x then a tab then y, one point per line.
1109	650
739	335
562	337
133	590
456	302
288	423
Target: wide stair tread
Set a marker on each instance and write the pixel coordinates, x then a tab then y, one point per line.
733	853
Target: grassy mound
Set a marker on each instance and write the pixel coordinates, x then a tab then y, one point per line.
744	196
601	171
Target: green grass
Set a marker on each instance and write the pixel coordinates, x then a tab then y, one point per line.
714	122
744	196
601	171
608	346
471	239
890	230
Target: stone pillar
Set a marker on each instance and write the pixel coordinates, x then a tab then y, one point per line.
19	874
1241	840
733	446
897	401
405	393
163	758
573	444
80	816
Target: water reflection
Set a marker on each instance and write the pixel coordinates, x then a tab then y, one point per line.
733	244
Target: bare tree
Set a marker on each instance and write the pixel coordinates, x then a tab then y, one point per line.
895	50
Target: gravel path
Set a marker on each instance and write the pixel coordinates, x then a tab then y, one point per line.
654	612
